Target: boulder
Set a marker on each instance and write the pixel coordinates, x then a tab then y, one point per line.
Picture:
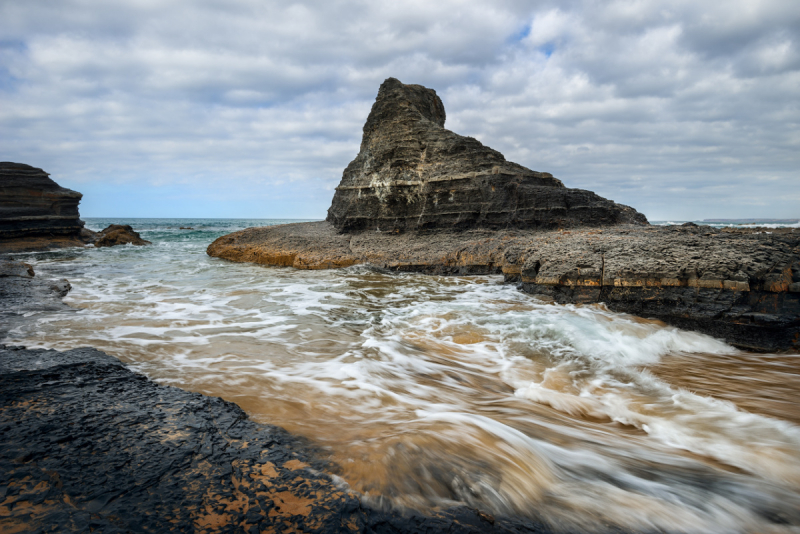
16	268
413	174
119	234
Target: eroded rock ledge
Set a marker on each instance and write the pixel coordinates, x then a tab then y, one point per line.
740	285
36	213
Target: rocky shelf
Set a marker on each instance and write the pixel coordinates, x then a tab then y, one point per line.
740	285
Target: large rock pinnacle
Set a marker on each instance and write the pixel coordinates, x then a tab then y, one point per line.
413	174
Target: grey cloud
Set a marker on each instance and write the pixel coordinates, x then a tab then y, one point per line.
662	105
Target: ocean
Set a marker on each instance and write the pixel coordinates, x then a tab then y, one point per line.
432	391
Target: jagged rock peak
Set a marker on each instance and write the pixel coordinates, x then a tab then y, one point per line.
398	101
413	174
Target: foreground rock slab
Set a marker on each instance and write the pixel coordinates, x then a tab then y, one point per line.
739	285
88	445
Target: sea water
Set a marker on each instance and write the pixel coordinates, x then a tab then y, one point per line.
434	391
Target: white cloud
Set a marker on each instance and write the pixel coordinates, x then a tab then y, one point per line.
672	107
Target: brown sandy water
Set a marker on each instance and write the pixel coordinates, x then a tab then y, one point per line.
430	391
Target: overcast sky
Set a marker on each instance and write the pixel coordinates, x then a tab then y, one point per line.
252	108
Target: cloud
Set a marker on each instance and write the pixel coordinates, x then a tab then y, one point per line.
677	108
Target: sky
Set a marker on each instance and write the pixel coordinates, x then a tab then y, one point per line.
252	108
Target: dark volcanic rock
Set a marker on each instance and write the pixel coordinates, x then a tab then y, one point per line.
31	204
119	234
89	445
413	174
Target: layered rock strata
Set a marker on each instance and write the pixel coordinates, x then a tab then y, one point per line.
740	285
421	198
36	213
32	204
413	174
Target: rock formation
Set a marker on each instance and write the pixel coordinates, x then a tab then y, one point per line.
119	234
413	174
739	285
36	213
446	204
31	204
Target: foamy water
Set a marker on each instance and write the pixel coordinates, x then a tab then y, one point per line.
434	391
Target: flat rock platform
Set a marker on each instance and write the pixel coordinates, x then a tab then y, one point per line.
741	285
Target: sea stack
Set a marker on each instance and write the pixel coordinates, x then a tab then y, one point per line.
412	174
420	198
33	205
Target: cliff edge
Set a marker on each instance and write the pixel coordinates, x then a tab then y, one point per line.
35	212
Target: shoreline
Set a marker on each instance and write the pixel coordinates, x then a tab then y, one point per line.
89	444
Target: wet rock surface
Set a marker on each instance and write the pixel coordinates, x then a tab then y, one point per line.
740	285
22	292
34	206
413	174
88	444
118	234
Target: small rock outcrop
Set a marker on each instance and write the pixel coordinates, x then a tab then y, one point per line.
22	294
31	204
412	174
119	234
